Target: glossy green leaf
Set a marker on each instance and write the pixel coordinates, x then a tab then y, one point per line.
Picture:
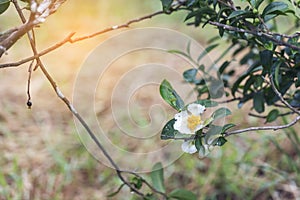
4	4
220	141
272	116
275	73
166	4
190	75
182	194
237	83
206	102
157	177
258	3
221	112
137	182
274	7
258	102
227	127
168	132
266	58
198	143
170	96
213	132
238	13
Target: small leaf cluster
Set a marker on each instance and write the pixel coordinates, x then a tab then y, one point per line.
260	46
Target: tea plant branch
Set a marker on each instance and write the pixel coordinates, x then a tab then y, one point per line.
270	127
257	33
265	116
70	40
147	183
281	97
44	52
262	128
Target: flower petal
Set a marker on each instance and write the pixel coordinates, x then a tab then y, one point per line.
188	147
181	123
196	109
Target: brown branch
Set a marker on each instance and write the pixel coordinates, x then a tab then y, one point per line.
10	40
125	25
44	52
281	97
69	39
263	128
256	33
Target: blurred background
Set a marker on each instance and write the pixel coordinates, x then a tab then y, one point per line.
42	156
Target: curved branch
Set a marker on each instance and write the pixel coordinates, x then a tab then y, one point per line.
263	128
256	33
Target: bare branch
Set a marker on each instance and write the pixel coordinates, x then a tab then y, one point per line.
125	25
46	51
263	128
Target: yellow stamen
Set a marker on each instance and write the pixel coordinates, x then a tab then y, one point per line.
193	122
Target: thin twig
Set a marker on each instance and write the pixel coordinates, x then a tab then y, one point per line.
29	103
125	25
44	52
265	116
256	33
263	128
281	98
147	183
78	39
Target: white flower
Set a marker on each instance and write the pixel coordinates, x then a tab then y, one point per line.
189	147
189	121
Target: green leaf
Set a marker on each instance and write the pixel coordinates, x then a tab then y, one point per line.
274	7
198	143
275	73
272	116
117	191
206	51
170	96
137	182
224	66
258	3
168	132
221	112
236	84
213	131
238	13
206	102
266	59
226	127
4	4
258	102
157	177
190	75
220	141
182	194
166	4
